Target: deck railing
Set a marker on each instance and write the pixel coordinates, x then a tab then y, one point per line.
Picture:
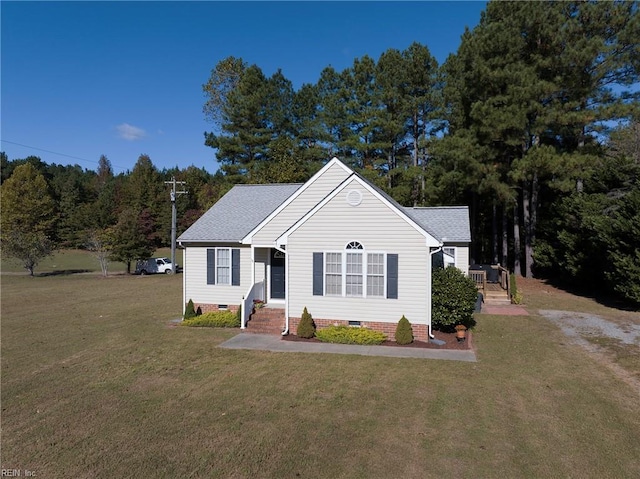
479	276
504	279
255	292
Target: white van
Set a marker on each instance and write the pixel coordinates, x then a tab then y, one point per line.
154	265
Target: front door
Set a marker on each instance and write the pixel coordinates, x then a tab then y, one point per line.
277	274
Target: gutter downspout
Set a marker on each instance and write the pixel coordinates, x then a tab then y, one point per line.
430	311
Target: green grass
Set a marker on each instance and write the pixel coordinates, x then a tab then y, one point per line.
96	384
76	261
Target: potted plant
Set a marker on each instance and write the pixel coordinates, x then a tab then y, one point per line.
461	332
258	303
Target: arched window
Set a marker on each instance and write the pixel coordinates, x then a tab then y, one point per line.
354	245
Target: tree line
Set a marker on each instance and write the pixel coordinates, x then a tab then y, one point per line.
532	123
122	217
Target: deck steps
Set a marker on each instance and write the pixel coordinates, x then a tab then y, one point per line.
496	297
266	321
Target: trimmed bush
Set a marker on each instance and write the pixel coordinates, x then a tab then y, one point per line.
214	319
239	315
454	299
404	331
189	311
306	328
349	335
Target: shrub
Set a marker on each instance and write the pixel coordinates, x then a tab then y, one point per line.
239	315
189	311
349	335
404	331
306	328
454	299
516	296
214	319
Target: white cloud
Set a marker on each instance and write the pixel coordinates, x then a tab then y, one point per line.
130	132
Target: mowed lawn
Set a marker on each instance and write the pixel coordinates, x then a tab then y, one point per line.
96	384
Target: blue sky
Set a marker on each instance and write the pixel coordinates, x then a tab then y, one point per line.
82	79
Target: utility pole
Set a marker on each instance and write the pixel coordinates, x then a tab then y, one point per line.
173	195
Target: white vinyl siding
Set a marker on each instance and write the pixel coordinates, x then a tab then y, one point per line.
462	258
195	277
382	232
291	213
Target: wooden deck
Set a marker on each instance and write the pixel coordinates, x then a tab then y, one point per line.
493	293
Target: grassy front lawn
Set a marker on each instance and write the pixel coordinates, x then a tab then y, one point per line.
95	384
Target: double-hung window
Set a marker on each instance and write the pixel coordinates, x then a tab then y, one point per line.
223	266
354	272
449	256
333	274
375	274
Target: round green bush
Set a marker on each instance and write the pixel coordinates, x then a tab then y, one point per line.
404	331
454	298
306	328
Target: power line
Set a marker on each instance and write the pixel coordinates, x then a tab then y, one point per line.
61	154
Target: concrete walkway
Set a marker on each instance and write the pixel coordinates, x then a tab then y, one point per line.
268	342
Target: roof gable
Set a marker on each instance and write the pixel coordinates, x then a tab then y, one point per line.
431	240
334	162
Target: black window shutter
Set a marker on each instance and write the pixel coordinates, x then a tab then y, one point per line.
392	276
235	267
318	264
211	266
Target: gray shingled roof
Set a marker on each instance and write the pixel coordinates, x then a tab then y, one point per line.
448	223
238	212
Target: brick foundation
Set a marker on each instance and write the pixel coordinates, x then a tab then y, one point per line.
420	332
207	308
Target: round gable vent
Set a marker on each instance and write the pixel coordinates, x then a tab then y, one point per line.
354	197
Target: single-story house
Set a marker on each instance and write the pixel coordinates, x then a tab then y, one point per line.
337	245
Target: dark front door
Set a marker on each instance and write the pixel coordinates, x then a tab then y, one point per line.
277	274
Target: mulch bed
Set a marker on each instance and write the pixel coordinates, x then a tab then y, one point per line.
449	338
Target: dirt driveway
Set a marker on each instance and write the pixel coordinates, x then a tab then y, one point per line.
616	345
